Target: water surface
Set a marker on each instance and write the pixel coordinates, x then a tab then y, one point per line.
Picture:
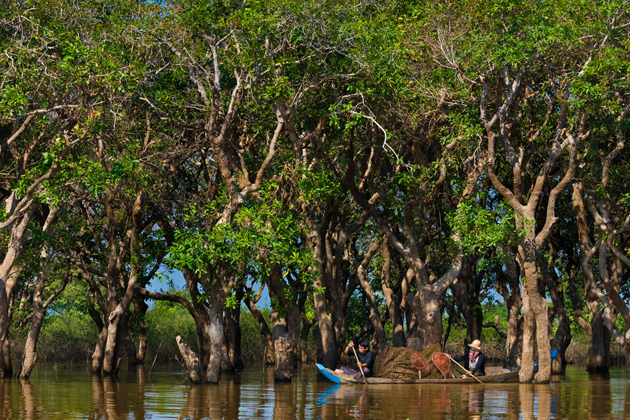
73	393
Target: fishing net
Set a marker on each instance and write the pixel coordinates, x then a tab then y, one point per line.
405	363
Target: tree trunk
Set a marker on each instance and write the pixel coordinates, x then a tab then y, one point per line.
217	340
392	299
141	307
374	315
526	374
30	348
285	333
562	337
191	361
509	288
264	330
233	336
8	279
329	356
466	292
111	363
428	305
126	341
598	359
99	351
536	318
306	328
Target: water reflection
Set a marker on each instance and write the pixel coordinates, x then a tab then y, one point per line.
252	394
600	397
29	399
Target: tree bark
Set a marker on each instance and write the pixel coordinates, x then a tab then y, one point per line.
233	335
598	359
508	286
30	348
562	337
392	298
286	330
466	292
216	333
264	329
191	361
140	309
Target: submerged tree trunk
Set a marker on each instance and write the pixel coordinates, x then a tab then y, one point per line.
191	361
536	321
307	324
233	358
140	311
598	359
39	313
216	334
508	286
562	337
99	351
30	348
286	330
126	341
8	279
269	356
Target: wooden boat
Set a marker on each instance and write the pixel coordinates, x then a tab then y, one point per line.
494	375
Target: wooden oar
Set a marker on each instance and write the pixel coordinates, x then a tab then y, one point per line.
465	370
360	367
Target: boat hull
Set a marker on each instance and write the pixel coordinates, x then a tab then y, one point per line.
341	378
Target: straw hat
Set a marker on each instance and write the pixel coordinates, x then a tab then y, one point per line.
476	344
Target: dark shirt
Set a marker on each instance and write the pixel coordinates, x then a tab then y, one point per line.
367	358
481	364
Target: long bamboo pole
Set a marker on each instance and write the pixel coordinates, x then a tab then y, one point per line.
360	367
465	370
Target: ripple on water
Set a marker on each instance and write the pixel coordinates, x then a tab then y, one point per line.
252	394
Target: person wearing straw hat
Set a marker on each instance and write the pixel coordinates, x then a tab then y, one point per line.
476	360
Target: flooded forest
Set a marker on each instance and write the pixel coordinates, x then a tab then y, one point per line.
410	173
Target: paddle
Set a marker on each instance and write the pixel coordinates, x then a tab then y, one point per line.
465	370
360	367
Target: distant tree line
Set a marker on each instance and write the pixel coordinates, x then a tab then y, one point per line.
403	158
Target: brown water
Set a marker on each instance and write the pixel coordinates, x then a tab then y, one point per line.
72	393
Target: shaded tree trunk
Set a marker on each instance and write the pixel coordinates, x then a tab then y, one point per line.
233	334
126	341
8	280
374	315
508	286
30	348
140	310
562	337
264	328
304	332
466	291
39	313
598	359
392	297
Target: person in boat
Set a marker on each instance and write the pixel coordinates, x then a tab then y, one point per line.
476	360
366	360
